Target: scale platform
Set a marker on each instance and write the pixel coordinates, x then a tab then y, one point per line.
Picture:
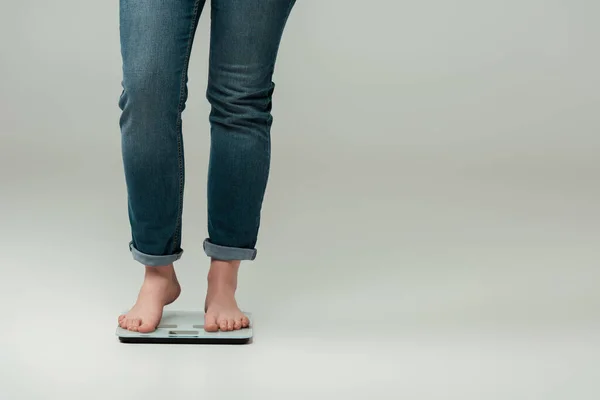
186	327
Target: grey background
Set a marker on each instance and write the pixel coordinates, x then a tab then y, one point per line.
430	229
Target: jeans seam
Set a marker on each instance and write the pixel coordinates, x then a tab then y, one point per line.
269	121
177	235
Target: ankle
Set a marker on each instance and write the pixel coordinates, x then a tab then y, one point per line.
223	273
166	271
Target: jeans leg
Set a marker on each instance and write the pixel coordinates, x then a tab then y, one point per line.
156	40
245	38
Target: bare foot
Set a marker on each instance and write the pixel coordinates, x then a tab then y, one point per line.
221	309
159	289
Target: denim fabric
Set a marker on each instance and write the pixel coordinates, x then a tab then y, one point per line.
156	41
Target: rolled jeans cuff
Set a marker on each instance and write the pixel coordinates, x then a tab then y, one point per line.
154	261
228	253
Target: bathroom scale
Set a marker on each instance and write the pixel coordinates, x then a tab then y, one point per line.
186	327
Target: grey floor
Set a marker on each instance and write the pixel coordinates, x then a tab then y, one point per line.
428	288
430	230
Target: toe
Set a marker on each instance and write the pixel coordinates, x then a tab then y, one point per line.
245	322
230	324
223	324
210	323
237	324
133	324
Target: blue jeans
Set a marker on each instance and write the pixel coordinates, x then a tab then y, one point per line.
156	41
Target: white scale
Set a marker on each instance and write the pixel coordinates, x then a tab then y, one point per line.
186	327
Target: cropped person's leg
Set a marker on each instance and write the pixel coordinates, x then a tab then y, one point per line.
245	38
156	40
